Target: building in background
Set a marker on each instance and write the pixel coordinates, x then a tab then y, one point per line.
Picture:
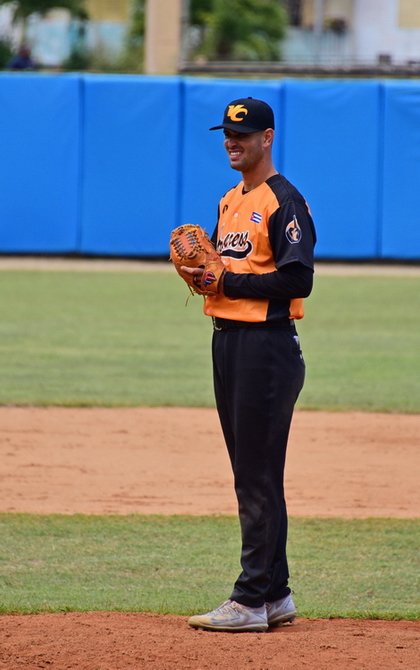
353	31
53	36
321	32
107	25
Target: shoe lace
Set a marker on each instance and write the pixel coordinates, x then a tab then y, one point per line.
229	605
226	606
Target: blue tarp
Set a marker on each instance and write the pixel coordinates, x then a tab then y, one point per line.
400	197
331	140
110	164
130	164
40	137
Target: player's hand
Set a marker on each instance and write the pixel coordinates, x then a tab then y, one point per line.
196	273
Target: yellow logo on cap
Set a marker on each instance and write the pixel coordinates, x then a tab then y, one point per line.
234	110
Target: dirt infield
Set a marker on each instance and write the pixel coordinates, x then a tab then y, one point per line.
172	460
112	641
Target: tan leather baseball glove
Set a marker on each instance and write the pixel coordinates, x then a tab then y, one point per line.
190	246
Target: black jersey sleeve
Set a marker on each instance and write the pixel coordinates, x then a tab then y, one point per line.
292	234
292	238
293	280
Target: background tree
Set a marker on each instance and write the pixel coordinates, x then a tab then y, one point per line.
240	29
198	11
227	29
137	22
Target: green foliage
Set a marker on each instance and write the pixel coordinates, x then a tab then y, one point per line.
132	58
199	9
242	29
78	61
235	30
183	565
130	61
137	22
5	53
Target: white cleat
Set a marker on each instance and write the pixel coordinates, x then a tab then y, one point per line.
232	616
281	611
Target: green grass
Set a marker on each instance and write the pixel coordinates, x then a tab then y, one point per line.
102	339
361	341
356	568
181	565
128	339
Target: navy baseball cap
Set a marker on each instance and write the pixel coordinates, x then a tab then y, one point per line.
247	115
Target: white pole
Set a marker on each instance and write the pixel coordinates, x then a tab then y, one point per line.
318	27
163	36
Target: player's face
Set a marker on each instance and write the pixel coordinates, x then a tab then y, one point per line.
245	150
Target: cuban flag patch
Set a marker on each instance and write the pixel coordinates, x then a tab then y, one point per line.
256	218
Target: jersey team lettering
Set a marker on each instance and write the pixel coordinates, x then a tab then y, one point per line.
293	231
235	245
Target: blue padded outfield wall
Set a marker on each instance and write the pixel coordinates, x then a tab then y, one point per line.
108	165
40	148
400	178
331	136
130	164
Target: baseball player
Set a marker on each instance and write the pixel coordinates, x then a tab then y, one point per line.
265	236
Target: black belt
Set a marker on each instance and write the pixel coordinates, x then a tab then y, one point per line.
230	324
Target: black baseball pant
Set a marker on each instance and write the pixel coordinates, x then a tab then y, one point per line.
258	374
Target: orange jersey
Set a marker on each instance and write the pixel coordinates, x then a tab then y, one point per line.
258	232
